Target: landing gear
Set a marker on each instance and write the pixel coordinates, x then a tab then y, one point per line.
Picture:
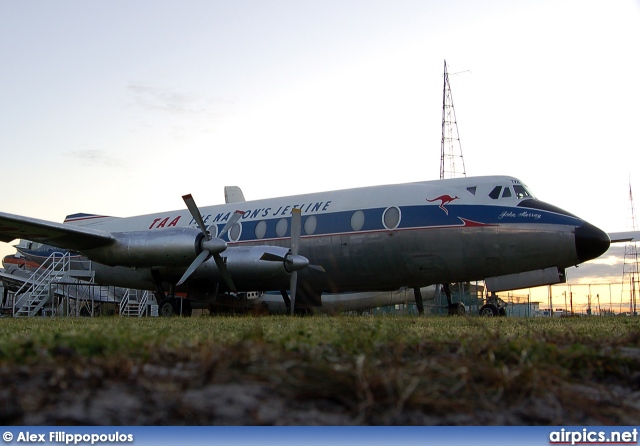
489	310
166	304
418	297
166	307
457	309
454	309
170	306
493	307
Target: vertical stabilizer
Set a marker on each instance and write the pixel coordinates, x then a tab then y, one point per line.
233	194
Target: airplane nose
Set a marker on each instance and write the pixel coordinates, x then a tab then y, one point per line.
591	242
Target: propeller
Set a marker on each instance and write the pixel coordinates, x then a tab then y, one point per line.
210	246
295	261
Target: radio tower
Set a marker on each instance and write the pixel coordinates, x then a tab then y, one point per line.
448	157
451	160
630	267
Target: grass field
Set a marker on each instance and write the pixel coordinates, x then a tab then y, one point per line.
320	370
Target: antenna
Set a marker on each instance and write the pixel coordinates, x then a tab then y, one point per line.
630	267
450	136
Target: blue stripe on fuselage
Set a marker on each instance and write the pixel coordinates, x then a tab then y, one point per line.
412	217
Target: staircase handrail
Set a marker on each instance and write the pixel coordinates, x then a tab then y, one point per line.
53	266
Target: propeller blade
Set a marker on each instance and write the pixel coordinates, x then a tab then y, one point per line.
293	285
222	267
296	262
232	221
296	230
287	301
194	265
195	213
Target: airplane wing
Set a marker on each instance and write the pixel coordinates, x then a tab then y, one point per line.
13	280
70	237
622	237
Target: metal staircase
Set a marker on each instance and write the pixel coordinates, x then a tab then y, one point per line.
134	303
65	286
39	289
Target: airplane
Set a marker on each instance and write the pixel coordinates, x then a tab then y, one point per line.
30	257
378	238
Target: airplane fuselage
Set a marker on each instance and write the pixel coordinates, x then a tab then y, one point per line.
371	238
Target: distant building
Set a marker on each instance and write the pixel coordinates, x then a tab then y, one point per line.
528	309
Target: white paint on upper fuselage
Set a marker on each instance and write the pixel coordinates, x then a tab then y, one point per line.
461	191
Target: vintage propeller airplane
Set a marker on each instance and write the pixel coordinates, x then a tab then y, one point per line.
378	238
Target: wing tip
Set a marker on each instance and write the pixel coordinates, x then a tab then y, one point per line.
73	218
624	237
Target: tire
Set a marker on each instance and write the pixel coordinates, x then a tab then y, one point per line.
488	310
457	309
166	308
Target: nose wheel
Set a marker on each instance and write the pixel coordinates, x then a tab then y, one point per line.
492	308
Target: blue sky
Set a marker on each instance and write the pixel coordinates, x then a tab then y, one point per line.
122	107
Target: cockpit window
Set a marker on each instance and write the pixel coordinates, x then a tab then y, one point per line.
506	193
472	189
495	193
521	191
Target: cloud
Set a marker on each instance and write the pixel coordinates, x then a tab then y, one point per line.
177	114
170	101
606	268
95	158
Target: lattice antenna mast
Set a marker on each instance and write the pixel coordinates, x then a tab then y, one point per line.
451	160
630	275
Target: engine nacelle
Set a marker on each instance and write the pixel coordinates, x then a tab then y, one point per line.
518	281
157	247
254	267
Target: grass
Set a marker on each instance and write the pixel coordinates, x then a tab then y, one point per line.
376	370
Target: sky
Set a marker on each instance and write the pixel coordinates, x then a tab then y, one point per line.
120	108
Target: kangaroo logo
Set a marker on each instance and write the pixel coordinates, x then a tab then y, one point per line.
444	199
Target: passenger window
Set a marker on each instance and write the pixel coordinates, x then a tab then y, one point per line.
507	192
261	229
357	220
391	217
310	224
495	193
281	227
